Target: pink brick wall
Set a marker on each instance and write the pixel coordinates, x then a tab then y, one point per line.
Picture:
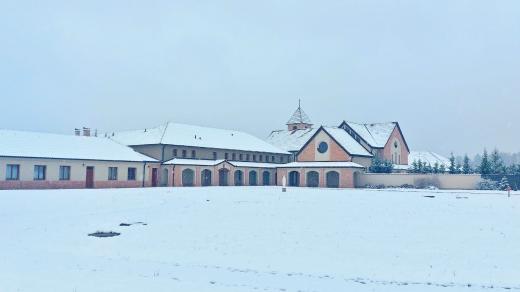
387	151
337	153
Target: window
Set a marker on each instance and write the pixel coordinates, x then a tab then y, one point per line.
247	157
281	159
64	172
234	156
254	157
214	155
261	158
323	147
131	173
13	172
241	157
39	172
112	173
193	154
226	156
272	158
184	154
174	152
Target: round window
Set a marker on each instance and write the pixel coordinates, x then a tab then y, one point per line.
323	147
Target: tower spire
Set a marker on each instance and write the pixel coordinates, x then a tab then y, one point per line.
299	120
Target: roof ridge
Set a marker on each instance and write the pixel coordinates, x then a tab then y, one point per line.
164	132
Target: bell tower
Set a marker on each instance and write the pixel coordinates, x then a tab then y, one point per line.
299	120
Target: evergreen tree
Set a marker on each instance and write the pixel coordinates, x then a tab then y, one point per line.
428	168
436	167
466	168
485	165
419	166
452	164
497	166
380	166
442	168
504	184
458	169
415	168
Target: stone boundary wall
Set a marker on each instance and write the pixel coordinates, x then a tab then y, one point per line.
442	181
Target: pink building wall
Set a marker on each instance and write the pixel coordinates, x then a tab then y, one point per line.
387	151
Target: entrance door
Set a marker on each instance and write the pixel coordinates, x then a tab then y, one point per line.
223	176
89	181
294	179
154	177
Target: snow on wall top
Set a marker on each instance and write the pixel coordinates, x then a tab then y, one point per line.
290	140
299	117
45	145
204	162
375	134
195	136
347	142
428	157
313	164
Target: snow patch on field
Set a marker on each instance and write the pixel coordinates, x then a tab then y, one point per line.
251	239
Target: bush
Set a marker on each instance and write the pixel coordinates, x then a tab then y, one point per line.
488	185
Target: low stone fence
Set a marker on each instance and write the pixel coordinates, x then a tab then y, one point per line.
441	181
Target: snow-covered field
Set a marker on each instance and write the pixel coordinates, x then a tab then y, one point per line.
259	239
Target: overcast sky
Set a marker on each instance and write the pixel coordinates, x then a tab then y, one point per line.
448	71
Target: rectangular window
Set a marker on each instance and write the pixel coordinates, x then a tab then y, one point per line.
234	156
272	158
193	154
281	159
184	154
64	172
261	158
112	173
226	156
254	157
174	152
240	157
40	172
131	173
12	172
214	155
247	157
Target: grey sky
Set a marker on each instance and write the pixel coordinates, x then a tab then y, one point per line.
448	71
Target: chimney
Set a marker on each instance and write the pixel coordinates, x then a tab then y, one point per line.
77	132
86	132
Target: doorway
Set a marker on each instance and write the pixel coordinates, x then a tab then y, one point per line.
89	181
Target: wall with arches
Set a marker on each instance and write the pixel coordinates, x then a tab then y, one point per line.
346	176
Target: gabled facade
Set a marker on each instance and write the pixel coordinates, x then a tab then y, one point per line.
384	140
333	145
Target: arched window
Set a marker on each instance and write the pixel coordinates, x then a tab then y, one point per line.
205	177
332	179
223	175
188	177
266	178
313	179
239	178
294	179
253	178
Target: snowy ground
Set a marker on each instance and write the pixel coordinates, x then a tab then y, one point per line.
259	239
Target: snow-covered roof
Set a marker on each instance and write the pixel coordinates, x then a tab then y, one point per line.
375	134
45	145
195	136
428	157
299	117
290	140
254	164
347	142
313	164
204	162
201	162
